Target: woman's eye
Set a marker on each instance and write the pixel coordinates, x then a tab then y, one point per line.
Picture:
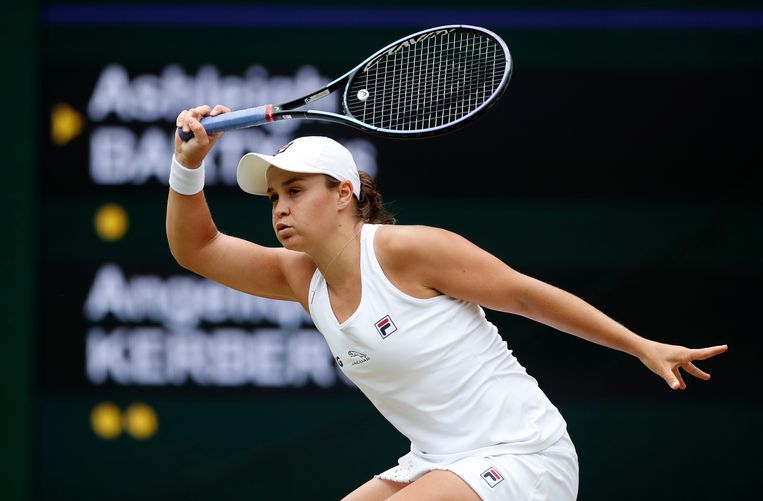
273	199
293	191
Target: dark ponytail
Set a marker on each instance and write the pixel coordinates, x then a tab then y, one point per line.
369	207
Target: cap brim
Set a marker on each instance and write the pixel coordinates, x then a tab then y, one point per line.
252	169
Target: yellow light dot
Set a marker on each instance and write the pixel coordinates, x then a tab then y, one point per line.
106	420
66	123
111	222
141	421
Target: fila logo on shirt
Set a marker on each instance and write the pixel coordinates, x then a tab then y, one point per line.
386	327
492	477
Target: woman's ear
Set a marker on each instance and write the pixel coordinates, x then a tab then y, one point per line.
345	194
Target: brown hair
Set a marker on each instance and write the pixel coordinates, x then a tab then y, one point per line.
369	207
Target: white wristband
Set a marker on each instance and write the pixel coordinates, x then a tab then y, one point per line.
184	180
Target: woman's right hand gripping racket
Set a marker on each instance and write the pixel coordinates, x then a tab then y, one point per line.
425	84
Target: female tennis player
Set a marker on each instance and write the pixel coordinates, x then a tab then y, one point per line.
400	309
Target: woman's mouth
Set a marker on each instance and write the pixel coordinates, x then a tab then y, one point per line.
280	227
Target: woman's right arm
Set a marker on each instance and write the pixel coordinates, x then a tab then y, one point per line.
197	245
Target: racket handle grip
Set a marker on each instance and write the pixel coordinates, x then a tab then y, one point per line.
233	120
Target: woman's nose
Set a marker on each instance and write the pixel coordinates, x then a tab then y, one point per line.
281	208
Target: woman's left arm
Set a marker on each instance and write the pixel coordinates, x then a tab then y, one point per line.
559	309
452	265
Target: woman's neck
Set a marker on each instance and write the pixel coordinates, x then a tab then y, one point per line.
339	260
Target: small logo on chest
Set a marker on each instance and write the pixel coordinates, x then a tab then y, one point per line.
492	477
385	327
358	357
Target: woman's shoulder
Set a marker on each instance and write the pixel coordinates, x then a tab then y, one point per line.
417	259
408	241
396	231
400	236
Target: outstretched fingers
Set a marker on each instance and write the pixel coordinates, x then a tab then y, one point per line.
674	379
705	353
679	380
667	361
695	354
695	371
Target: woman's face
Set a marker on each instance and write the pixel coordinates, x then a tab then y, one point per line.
304	208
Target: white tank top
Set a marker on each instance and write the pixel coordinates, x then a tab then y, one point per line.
435	368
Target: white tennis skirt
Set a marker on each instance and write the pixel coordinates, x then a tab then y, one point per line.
548	475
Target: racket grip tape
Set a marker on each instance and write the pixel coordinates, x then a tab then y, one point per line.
233	120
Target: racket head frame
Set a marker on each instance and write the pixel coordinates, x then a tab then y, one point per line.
441	129
290	108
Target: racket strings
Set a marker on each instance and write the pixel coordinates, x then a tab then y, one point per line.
430	83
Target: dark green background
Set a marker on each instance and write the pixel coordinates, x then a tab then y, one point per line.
623	166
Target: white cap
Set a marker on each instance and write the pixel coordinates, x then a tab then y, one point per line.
311	155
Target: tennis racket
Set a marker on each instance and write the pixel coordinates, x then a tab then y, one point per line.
425	84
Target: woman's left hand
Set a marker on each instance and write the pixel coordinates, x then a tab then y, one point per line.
665	360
